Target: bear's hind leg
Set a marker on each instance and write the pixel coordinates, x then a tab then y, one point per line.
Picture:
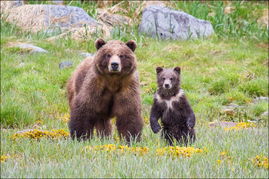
192	135
81	130
129	127
103	127
167	136
186	137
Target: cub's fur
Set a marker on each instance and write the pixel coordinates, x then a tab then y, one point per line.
172	107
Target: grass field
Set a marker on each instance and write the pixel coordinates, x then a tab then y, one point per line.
226	68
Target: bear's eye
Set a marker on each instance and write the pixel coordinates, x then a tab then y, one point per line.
108	55
122	56
163	78
171	79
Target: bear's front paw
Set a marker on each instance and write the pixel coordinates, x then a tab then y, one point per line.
156	129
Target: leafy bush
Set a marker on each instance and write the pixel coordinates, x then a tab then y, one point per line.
255	87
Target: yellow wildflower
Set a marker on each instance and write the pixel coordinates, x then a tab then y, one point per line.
116	138
146	120
37	134
260	161
178	151
160	152
3	158
65	118
241	125
120	149
224	155
139	150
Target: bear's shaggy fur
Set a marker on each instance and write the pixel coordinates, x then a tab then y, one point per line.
171	105
99	90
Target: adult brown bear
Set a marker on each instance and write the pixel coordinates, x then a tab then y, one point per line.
105	86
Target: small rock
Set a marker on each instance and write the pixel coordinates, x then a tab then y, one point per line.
233	105
261	98
222	124
253	121
22	64
165	23
229	111
32	48
112	19
86	54
265	114
228	10
65	64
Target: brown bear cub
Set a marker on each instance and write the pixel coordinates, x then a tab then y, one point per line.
171	105
106	86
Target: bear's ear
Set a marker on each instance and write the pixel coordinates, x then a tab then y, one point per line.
177	69
99	43
131	44
159	70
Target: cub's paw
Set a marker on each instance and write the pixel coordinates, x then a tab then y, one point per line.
156	129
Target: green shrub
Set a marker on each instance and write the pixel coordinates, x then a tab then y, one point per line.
254	88
218	87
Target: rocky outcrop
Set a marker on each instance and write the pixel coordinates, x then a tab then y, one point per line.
112	19
7	5
36	18
28	47
165	23
65	64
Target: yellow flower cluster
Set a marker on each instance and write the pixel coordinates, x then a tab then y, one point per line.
3	158
224	157
37	134
120	149
178	151
241	125
260	161
146	120
65	118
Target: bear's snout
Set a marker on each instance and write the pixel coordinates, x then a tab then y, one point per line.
167	84
114	64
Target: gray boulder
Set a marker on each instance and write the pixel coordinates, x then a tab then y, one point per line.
7	5
260	99
65	64
86	54
48	18
265	114
29	47
165	23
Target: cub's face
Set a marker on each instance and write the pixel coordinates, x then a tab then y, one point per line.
115	57
168	78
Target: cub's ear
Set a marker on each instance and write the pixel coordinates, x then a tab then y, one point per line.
131	44
99	43
159	70
177	69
